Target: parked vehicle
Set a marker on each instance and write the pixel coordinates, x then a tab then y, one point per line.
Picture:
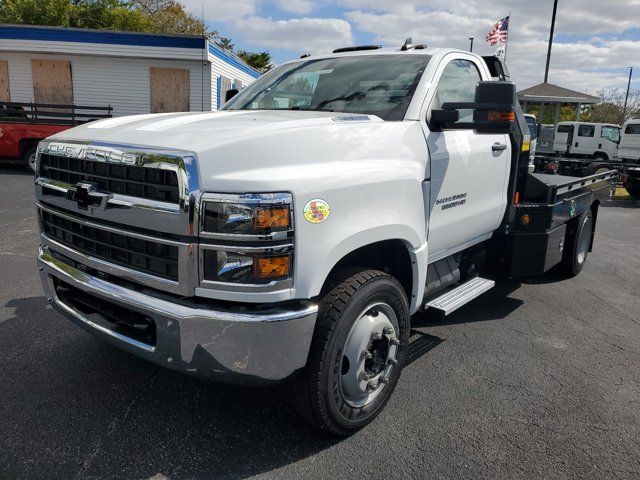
292	235
545	140
23	125
629	149
597	141
533	131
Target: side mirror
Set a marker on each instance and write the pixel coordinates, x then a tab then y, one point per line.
229	94
495	108
441	119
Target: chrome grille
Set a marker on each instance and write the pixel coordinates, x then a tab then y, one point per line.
135	181
138	254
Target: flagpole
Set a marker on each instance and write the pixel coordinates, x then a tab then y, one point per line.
506	44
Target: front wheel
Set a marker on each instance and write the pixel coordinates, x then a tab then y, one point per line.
30	159
578	241
356	355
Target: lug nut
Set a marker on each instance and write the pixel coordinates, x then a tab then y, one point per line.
365	355
387	330
363	376
371	386
376	336
394	341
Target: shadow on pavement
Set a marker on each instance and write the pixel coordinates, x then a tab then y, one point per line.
93	411
84	409
13	167
623	203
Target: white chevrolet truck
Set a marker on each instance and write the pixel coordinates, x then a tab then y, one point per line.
292	235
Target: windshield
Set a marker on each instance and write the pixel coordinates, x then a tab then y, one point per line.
533	126
379	85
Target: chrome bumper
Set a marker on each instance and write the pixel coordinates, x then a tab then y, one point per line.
228	344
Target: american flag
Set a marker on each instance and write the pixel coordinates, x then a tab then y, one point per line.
499	32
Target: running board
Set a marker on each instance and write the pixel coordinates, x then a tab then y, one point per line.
459	296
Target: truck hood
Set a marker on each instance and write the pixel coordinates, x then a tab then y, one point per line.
269	150
195	131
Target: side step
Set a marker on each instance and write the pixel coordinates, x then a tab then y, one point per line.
459	296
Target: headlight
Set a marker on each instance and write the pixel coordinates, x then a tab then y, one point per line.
246	239
249	214
246	268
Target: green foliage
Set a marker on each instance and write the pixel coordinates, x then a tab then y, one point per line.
260	61
549	115
153	16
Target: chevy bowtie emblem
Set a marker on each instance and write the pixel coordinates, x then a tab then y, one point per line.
85	195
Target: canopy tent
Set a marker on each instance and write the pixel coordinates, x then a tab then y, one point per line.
547	93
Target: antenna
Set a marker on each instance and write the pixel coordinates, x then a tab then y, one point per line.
409	45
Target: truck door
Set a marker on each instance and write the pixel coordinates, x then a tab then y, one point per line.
467	171
609	140
584	142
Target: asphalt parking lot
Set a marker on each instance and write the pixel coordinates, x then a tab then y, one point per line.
539	380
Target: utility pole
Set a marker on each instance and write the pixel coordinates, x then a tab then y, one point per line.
553	24
624	110
471	46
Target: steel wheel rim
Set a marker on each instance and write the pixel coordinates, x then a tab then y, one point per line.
584	240
32	161
369	355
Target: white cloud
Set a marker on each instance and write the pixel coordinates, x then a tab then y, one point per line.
300	35
221	10
588	64
300	7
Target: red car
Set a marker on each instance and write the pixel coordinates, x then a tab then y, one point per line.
23	125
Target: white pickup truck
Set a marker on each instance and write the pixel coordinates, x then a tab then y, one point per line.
292	235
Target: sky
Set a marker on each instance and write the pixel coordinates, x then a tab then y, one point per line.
594	41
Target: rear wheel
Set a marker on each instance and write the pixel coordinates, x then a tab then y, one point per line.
597	167
578	241
633	187
30	159
356	355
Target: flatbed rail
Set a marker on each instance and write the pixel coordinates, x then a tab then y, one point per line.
51	114
582	182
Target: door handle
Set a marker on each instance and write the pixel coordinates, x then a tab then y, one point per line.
496	147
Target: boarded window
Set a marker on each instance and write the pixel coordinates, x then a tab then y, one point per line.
226	84
169	90
5	96
52	81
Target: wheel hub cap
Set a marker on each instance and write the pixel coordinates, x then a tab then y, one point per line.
369	354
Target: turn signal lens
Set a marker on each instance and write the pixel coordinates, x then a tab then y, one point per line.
271	218
495	116
271	267
525	219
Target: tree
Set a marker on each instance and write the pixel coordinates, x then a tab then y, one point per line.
612	105
154	16
260	61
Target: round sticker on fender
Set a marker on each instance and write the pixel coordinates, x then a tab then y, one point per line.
316	210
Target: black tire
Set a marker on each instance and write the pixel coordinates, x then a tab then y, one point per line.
578	236
29	159
597	167
633	188
317	392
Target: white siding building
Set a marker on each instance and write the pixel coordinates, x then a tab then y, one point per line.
131	72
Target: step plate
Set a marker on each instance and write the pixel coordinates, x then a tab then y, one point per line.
461	295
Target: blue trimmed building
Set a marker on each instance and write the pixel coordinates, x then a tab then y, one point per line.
133	72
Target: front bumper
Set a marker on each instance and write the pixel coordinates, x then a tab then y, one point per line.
239	344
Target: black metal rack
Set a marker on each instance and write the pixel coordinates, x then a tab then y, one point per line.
51	114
